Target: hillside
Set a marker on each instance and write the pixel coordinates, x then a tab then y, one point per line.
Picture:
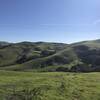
43	56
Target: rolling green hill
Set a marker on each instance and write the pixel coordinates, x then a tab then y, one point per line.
41	71
43	56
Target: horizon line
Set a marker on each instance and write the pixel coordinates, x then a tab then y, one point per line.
49	41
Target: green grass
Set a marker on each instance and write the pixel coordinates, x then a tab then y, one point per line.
49	86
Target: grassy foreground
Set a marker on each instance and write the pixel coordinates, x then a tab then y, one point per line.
49	86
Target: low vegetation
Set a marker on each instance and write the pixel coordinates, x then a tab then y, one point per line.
49	86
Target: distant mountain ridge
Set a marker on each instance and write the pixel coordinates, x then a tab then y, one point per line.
44	56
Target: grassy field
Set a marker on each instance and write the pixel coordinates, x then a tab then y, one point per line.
49	86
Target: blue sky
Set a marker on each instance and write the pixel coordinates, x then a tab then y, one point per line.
49	20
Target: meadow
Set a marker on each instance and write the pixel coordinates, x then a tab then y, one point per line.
49	86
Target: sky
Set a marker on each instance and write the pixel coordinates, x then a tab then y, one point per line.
65	21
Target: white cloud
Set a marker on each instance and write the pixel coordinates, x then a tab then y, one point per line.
96	22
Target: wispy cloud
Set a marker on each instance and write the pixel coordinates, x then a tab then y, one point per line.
96	22
65	24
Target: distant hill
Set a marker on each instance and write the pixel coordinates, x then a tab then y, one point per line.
2	43
43	56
